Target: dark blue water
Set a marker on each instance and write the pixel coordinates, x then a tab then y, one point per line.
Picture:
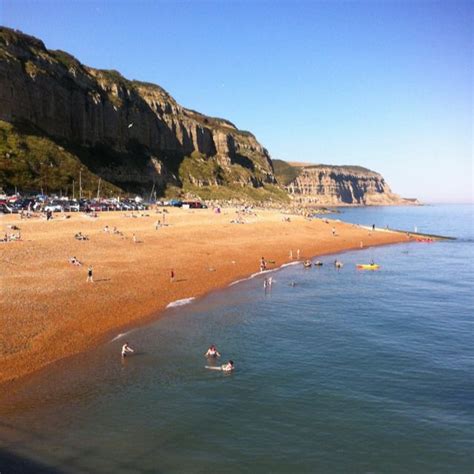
347	371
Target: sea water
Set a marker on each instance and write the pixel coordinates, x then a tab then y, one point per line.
336	371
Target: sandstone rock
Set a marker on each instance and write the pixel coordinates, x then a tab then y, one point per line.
77	104
341	185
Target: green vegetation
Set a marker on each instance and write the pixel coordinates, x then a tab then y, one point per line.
284	172
199	168
266	193
204	178
32	162
65	59
342	168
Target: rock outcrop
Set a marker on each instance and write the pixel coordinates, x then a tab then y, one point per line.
133	133
341	185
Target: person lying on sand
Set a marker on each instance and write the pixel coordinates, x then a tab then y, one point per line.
126	349
75	261
81	236
212	352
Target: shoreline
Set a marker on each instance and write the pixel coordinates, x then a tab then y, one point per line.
55	339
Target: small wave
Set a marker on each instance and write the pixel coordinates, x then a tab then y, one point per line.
256	274
297	262
118	336
182	302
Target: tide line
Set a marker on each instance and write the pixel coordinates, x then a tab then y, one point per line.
181	302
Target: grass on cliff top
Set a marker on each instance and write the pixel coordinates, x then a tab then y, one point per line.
338	168
284	172
30	162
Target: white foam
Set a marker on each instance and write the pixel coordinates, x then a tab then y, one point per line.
121	335
297	262
182	302
264	272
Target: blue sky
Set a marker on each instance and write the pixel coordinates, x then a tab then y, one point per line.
382	84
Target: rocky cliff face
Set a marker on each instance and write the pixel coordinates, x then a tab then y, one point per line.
341	185
132	133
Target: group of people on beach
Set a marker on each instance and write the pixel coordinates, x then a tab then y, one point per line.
12	237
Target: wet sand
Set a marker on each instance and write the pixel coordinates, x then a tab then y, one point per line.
49	311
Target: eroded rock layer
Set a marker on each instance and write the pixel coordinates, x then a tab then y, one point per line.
141	133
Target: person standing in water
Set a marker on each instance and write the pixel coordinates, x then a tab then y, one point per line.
212	352
126	349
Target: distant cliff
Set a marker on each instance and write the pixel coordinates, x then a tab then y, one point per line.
131	134
335	185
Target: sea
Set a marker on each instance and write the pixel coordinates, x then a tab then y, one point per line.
336	371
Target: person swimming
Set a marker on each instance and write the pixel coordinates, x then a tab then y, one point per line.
229	367
212	352
126	349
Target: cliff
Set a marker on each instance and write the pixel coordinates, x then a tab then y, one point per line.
327	185
131	134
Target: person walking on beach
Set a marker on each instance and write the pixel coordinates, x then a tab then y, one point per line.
134	239
373	226
263	264
334	232
89	275
126	349
172	276
291	254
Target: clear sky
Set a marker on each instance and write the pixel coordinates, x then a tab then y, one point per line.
383	84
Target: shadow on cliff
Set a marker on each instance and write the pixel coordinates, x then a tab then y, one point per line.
243	161
130	170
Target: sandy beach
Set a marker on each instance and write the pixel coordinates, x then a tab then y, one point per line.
49	310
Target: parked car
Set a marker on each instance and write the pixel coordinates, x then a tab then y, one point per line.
71	206
53	206
194	204
6	209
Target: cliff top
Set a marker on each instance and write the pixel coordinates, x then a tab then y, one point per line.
16	45
338	168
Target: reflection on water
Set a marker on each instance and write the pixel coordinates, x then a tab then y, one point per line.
347	371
